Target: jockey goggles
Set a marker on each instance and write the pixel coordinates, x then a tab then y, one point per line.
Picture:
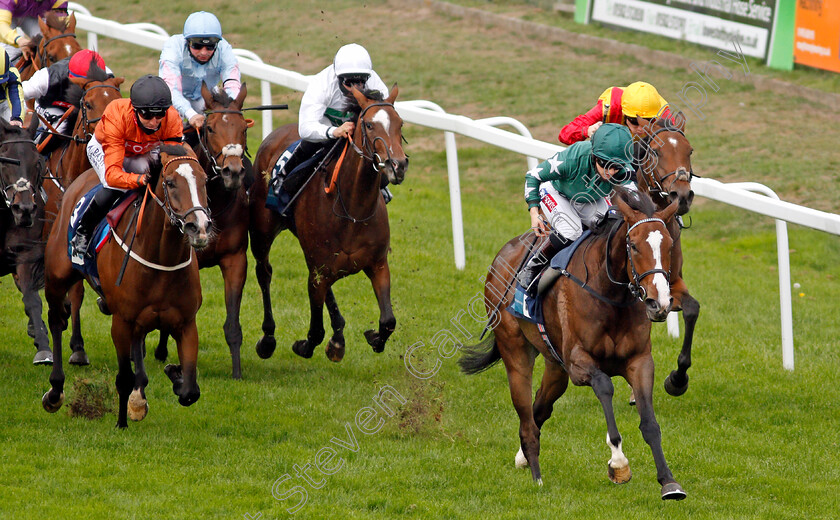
203	43
608	165
353	79
150	112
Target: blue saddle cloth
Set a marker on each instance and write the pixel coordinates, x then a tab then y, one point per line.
528	307
100	236
278	198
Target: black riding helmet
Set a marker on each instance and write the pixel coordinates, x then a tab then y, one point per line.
150	91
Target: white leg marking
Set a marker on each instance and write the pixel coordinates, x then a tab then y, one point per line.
662	288
382	118
185	170
617	460
520	461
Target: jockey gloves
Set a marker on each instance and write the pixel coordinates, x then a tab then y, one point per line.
81	62
202	25
613	144
641	99
352	59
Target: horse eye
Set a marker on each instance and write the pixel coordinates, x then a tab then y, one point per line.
368	125
88	106
209	129
170	183
633	247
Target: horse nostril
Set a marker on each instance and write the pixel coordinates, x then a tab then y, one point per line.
652	305
190	228
208	225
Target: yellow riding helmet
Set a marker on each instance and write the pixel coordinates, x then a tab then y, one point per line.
641	99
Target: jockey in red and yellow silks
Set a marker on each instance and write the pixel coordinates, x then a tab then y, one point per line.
617	105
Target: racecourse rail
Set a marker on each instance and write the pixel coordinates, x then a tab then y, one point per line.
426	113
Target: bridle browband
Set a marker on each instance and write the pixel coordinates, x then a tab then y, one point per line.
42	46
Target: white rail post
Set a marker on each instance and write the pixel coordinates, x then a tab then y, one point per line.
265	92
92	39
783	252
454	187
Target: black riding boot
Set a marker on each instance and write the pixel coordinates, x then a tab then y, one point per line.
537	263
98	209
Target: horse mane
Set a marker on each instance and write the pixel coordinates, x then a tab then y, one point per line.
173	149
353	106
637	200
221	97
56	21
95	73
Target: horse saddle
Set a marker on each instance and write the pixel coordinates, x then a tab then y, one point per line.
101	233
285	185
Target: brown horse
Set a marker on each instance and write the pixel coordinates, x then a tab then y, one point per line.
341	223
67	162
159	288
21	220
56	42
222	145
597	332
664	172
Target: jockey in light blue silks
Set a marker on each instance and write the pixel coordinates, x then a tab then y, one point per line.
199	55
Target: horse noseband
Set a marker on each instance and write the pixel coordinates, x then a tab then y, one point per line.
635	285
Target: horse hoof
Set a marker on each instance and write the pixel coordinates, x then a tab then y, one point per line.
266	346
632	401
335	351
103	306
620	475
43	357
539	482
520	461
373	340
672	387
50	406
187	400
672	491
302	349
79	358
173	372
138	407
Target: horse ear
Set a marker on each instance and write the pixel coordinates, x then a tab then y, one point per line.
668	213
189	149
116	81
70	24
240	99
33	126
395	91
619	200
207	95
78	81
42	23
361	99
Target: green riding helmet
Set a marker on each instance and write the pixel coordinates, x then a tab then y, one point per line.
614	144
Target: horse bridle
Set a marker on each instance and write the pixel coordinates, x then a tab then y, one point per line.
175	218
21	184
680	174
368	148
42	52
635	285
83	109
202	138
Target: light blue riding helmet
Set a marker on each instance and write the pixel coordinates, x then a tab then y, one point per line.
202	25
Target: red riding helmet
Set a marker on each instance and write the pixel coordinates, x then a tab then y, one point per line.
81	61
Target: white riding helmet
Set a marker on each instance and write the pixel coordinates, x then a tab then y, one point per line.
202	24
352	59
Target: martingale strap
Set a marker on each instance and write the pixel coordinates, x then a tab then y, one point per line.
554	354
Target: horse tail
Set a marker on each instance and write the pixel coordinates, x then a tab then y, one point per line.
480	357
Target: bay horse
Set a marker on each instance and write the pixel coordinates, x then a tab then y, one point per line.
664	172
159	288
222	143
67	162
56	42
597	332
21	222
340	221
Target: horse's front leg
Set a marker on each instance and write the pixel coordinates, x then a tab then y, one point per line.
319	286
138	407
25	280
77	343
260	247
57	314
380	278
121	335
184	376
677	381
619	466
234	269
335	347
640	377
